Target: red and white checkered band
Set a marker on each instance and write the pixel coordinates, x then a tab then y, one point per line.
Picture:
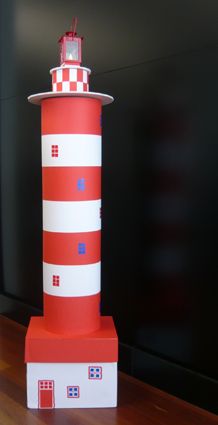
70	79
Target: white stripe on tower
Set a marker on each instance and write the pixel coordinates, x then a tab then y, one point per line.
72	150
71	216
74	281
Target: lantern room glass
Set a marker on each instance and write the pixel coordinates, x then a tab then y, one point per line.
72	50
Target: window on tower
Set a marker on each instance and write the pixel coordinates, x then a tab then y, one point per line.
56	280
81	184
54	150
81	248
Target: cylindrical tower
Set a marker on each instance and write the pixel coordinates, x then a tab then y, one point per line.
71	170
72	331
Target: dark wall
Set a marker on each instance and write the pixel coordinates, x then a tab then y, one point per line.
160	227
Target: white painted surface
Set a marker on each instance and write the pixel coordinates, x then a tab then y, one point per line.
73	74
74	150
75	216
85	77
59	75
37	98
74	281
93	392
79	86
65	86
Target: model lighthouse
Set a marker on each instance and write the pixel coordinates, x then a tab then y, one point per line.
71	352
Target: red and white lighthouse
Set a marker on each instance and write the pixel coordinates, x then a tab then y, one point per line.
71	352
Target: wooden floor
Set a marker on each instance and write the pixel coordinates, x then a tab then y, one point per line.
139	404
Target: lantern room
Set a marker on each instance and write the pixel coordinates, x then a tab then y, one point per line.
70	47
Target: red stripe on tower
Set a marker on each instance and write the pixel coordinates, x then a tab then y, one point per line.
71	183
72	315
71	115
71	248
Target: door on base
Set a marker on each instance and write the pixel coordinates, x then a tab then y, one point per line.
46	394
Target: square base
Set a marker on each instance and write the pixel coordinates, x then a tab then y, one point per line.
71	371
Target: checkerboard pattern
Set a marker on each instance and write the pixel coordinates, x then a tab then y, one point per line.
70	79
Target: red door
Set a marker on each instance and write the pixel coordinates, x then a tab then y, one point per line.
46	394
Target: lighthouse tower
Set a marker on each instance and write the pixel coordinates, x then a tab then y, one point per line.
71	351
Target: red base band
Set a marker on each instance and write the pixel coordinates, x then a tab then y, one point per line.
72	315
71	115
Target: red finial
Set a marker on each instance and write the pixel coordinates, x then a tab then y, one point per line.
74	25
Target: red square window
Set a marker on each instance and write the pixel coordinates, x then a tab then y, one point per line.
56	280
54	150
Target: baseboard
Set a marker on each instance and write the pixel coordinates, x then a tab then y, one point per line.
187	384
17	310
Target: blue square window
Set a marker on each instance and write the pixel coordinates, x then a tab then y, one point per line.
73	392
95	372
81	248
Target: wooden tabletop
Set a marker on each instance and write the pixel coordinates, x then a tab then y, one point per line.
139	404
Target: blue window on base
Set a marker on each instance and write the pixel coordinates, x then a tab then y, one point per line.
95	372
73	392
81	184
81	248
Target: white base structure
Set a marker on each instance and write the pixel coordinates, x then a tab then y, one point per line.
71	385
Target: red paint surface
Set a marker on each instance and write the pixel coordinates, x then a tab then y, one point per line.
71	115
79	75
97	347
66	74
62	248
72	315
46	396
61	183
